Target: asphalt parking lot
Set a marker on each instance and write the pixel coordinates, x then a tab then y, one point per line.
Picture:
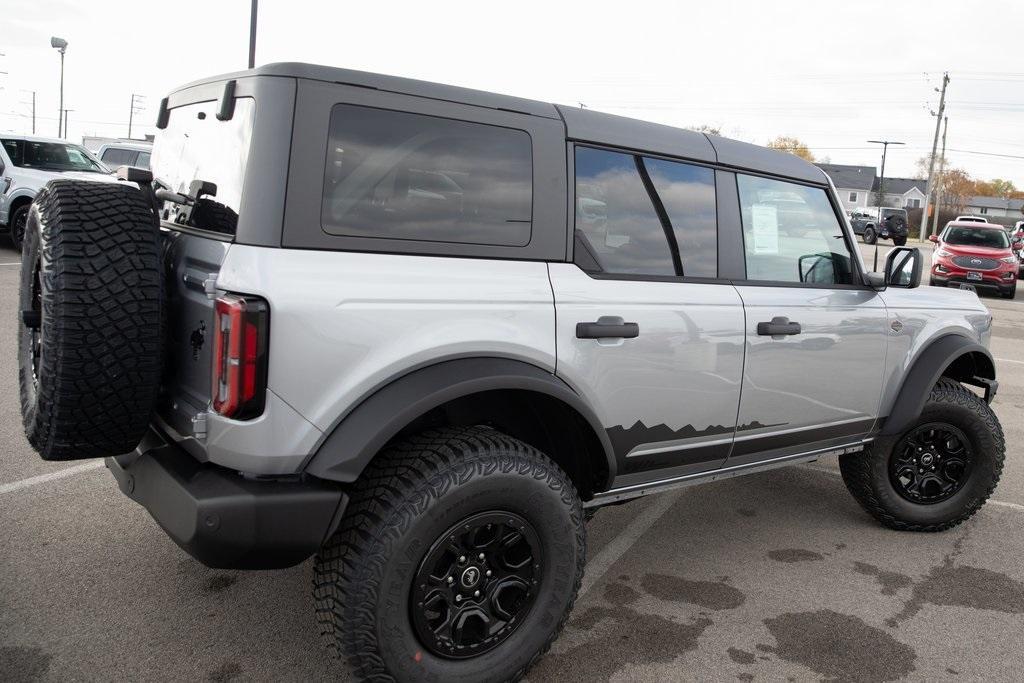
768	577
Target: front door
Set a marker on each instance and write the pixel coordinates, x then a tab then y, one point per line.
815	336
645	330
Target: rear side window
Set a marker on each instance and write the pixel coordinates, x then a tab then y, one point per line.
643	216
791	234
408	176
114	157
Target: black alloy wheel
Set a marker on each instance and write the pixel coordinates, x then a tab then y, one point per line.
931	463
19	223
476	584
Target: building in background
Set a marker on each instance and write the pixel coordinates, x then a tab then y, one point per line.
854	184
996	206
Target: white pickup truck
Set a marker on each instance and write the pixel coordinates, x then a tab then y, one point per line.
27	163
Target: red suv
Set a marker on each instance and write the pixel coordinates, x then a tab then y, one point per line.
978	254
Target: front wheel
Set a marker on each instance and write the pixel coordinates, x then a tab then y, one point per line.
18	223
1010	293
458	558
936	474
870	237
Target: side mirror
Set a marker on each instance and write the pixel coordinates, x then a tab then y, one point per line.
903	268
933	238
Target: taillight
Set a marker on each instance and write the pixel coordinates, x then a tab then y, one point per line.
240	356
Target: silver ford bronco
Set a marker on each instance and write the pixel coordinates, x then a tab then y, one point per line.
423	332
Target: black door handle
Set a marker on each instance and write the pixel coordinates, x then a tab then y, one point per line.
607	327
778	327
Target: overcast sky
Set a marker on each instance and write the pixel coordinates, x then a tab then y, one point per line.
832	74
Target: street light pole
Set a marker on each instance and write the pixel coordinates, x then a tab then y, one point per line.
881	180
60	45
252	35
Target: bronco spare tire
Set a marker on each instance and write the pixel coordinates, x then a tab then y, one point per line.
90	320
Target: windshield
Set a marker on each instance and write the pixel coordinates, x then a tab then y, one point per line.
51	156
196	146
977	237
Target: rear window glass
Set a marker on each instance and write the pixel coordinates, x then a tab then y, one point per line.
408	176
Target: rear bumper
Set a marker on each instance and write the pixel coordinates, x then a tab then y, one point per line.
223	519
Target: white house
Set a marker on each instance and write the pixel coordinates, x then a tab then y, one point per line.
996	206
858	187
907	193
854	184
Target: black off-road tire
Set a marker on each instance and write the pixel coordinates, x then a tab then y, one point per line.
867	474
18	222
90	333
411	495
870	236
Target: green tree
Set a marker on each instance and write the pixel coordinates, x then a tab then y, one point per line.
786	143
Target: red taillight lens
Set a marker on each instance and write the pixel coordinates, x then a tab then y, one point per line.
240	356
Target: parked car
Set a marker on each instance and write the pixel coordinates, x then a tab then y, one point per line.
1017	242
970	219
976	255
27	163
115	154
448	325
891	225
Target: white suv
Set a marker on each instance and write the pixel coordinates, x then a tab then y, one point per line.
27	163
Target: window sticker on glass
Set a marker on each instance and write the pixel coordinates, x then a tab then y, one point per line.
765	223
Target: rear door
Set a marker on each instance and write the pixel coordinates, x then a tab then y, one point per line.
646	330
815	335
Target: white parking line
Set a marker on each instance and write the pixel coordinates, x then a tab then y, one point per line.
43	478
599	565
1010	360
13	263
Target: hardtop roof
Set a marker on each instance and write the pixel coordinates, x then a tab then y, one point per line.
581	124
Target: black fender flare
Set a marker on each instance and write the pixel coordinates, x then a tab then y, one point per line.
379	417
929	366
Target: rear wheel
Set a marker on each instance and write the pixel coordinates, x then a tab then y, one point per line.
899	241
870	236
89	328
458	558
937	473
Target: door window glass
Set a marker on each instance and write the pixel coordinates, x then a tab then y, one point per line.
616	222
688	194
791	234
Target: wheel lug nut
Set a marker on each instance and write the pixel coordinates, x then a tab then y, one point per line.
462	559
451	579
458	598
481	556
487	573
476	594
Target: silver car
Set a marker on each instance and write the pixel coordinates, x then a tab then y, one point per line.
424	332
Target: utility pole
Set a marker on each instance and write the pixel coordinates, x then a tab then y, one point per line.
942	169
33	112
131	112
66	122
931	162
252	35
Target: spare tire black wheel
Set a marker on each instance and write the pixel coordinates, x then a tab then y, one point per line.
870	237
90	334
